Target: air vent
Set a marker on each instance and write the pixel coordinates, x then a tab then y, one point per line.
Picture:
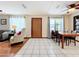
24	6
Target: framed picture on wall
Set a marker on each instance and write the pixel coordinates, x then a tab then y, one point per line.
3	21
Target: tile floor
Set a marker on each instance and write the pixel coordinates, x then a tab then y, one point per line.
38	47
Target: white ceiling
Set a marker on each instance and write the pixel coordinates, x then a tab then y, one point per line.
34	7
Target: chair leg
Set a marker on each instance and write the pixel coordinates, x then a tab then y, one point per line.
59	42
53	38
74	42
68	42
56	39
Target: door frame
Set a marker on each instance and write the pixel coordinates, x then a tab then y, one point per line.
32	27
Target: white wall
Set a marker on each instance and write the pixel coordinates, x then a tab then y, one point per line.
44	25
28	26
68	22
4	27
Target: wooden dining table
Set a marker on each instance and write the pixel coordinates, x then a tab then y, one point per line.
67	34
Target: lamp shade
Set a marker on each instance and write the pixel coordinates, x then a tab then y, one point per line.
14	26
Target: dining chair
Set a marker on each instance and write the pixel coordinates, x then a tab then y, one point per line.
58	37
53	35
70	39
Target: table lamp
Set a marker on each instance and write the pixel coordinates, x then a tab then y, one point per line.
14	27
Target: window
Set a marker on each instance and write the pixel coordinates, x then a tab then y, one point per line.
56	23
18	21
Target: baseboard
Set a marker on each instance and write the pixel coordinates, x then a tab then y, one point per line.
27	37
38	37
34	37
44	37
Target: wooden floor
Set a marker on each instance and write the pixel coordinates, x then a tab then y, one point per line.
7	50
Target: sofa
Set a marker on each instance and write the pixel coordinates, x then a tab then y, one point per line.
4	35
18	37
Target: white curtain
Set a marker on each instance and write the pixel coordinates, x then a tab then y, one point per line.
19	21
56	23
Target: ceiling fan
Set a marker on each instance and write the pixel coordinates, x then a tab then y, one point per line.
72	7
76	6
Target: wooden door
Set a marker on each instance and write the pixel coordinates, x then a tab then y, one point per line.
36	28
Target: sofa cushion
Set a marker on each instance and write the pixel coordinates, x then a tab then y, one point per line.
19	33
5	35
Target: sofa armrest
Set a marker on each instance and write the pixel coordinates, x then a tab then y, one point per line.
11	37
